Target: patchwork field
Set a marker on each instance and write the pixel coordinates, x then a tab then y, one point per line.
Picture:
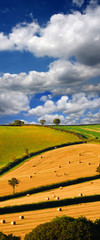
15	140
42	169
89	131
55	166
87	189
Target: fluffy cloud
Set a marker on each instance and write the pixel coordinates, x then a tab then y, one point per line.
91	118
78	104
63	77
48	107
11	103
69	35
72	119
74	39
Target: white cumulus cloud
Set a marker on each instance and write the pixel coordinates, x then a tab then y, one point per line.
78	104
11	103
65	35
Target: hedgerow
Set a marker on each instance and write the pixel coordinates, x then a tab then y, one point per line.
49	204
17	161
49	187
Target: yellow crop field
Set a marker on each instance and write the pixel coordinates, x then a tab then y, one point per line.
15	140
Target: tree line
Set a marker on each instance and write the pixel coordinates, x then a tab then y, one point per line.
56	121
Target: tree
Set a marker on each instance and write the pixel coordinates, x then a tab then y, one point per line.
42	121
56	121
8	237
65	228
13	182
17	123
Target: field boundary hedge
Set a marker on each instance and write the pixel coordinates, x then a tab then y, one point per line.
17	161
79	135
50	187
49	204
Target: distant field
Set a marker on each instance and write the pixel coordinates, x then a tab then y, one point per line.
90	131
14	140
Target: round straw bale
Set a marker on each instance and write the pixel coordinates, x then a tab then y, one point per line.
79	161
59	209
13	223
47	198
80	194
30	176
79	154
21	217
3	221
60	187
57	198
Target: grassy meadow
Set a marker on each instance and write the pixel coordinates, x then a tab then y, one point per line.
15	140
89	131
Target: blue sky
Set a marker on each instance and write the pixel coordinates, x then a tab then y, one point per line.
50	61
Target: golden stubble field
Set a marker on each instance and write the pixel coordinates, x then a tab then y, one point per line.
87	188
43	172
54	167
34	218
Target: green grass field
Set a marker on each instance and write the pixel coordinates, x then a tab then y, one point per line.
14	140
90	131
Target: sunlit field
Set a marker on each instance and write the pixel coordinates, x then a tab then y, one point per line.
89	131
15	140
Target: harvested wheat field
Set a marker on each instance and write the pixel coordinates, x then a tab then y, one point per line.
34	218
87	188
54	166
